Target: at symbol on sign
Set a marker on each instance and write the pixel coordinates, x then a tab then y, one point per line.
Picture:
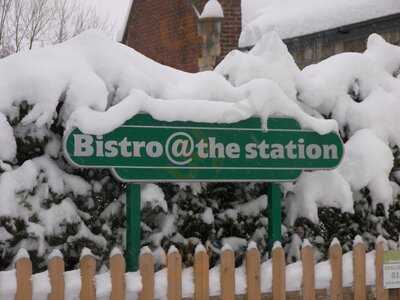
179	145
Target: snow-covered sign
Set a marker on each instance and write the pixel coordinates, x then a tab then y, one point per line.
144	149
391	269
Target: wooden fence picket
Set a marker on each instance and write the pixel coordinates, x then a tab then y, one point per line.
360	288
253	276
307	257
174	269
227	275
146	266
335	260
381	293
117	271
24	276
201	276
56	276
278	274
87	267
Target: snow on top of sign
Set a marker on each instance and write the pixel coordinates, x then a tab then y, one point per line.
89	67
292	18
212	9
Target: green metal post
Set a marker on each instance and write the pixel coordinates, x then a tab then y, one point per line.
274	214
133	227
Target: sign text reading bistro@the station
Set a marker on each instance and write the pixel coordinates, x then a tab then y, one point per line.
144	149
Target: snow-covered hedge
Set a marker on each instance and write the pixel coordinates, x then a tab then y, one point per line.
95	84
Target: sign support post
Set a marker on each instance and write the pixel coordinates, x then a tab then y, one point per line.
133	227
274	214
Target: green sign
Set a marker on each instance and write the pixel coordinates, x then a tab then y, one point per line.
144	149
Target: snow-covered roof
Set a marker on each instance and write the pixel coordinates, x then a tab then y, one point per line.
291	18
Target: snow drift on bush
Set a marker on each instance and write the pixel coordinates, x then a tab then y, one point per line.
95	84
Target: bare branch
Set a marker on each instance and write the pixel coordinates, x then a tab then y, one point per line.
5	6
25	24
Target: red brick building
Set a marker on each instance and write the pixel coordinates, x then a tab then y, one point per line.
166	30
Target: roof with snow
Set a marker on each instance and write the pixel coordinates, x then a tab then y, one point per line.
292	18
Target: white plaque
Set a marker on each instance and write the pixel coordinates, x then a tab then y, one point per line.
391	269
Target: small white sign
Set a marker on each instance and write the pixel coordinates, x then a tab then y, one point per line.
391	270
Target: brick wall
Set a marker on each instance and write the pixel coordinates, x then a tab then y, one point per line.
166	30
231	25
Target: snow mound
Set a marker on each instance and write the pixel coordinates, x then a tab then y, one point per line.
95	84
367	163
268	59
152	196
310	192
93	74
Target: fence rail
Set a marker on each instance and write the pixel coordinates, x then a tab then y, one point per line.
170	286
